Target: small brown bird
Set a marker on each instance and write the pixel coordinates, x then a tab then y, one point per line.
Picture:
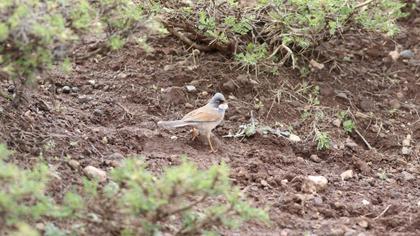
203	119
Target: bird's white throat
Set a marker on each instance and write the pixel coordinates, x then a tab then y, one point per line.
223	106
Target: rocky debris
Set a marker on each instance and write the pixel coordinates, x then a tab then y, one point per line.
116	156
407	54
95	173
316	65
191	88
337	122
350	143
348	174
407	176
73	164
394	55
315	158
313	184
66	89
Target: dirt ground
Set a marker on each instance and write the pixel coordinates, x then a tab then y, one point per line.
117	99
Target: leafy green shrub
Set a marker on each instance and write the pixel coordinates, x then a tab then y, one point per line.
36	34
286	27
183	200
23	196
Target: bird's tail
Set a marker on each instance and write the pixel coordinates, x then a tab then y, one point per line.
172	124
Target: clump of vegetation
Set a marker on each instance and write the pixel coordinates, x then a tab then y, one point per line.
23	196
285	27
189	200
347	122
183	200
35	35
323	140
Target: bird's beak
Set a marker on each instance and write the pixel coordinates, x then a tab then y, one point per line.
223	106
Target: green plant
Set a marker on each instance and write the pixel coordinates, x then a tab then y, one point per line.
199	200
35	35
323	140
348	123
252	56
23	197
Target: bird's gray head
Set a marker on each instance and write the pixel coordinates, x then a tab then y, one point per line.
218	101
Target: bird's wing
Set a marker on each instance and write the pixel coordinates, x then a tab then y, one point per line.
203	114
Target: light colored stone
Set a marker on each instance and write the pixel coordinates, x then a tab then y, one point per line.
313	184
394	55
191	88
316	64
348	174
406	150
337	122
73	164
315	158
95	173
365	202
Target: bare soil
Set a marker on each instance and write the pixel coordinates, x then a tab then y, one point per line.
121	96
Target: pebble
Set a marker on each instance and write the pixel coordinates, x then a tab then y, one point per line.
95	173
406	150
98	112
191	88
73	164
365	202
318	201
84	99
363	224
284	182
407	54
337	122
75	89
315	158
66	89
189	105
351	144
407	176
406	141
313	184
168	67
92	82
394	55
11	88
316	64
348	174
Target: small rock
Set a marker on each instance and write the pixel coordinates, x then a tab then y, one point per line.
191	88
348	174
315	158
84	99
351	144
363	223
98	112
116	156
122	75
92	82
204	93
40	226
318	201
407	54
168	67
66	89
113	163
394	104
337	122
406	150
316	64
11	89
174	137
264	183
294	138
313	184
418	204
406	141
400	95
407	176
75	89
73	164
229	86
394	55
95	173
189	105
365	202
284	182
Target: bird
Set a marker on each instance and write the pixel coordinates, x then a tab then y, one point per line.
203	119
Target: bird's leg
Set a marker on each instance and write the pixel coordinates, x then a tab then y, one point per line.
194	133
211	146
